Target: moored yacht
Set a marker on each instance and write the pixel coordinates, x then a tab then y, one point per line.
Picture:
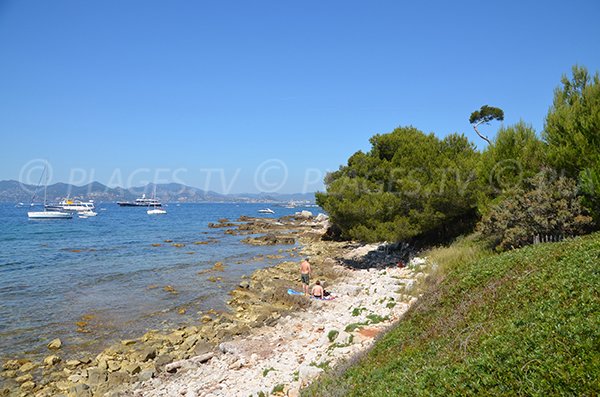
72	206
140	202
49	215
46	213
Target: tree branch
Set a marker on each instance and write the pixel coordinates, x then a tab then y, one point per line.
485	138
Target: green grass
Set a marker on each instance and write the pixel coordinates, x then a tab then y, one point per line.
357	311
354	326
267	370
322	365
526	322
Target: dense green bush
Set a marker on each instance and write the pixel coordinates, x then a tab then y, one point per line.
573	133
572	127
546	206
409	184
515	155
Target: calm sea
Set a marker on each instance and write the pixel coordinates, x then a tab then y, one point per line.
97	280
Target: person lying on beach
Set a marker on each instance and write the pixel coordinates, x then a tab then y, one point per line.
318	291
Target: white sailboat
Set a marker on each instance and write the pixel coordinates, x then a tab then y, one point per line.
45	214
155	210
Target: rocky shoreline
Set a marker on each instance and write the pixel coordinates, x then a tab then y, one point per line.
269	341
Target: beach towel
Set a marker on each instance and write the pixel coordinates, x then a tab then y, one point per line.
325	298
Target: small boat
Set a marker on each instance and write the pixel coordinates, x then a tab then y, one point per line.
266	211
46	213
87	214
155	210
49	215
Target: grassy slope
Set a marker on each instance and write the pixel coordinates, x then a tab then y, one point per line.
526	322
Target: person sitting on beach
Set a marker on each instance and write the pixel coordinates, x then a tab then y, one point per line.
318	291
305	271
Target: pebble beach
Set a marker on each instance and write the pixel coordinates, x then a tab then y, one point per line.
282	358
267	341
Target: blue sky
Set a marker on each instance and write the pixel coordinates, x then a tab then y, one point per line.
243	96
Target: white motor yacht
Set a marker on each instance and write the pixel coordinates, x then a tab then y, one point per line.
140	202
73	205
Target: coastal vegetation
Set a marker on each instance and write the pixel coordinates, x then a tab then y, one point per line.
501	312
523	322
413	186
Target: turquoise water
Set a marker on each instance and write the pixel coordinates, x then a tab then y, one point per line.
105	271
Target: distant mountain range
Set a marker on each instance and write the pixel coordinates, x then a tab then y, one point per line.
14	192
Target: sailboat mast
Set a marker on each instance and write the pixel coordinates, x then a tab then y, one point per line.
45	185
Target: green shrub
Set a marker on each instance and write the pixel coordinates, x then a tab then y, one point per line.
357	311
549	207
354	326
332	335
267	370
409	184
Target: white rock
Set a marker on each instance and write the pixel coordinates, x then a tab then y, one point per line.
353	290
304	214
321	217
308	372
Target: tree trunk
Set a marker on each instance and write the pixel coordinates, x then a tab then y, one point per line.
481	136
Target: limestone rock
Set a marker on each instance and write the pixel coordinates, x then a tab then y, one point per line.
72	364
146	374
55	344
132	368
163	360
96	376
113	366
321	217
306	373
24	378
75	378
28	366
11	373
244	284
353	290
80	390
12	364
51	360
303	214
148	354
117	378
28	386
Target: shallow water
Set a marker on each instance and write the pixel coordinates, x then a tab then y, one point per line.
104	272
